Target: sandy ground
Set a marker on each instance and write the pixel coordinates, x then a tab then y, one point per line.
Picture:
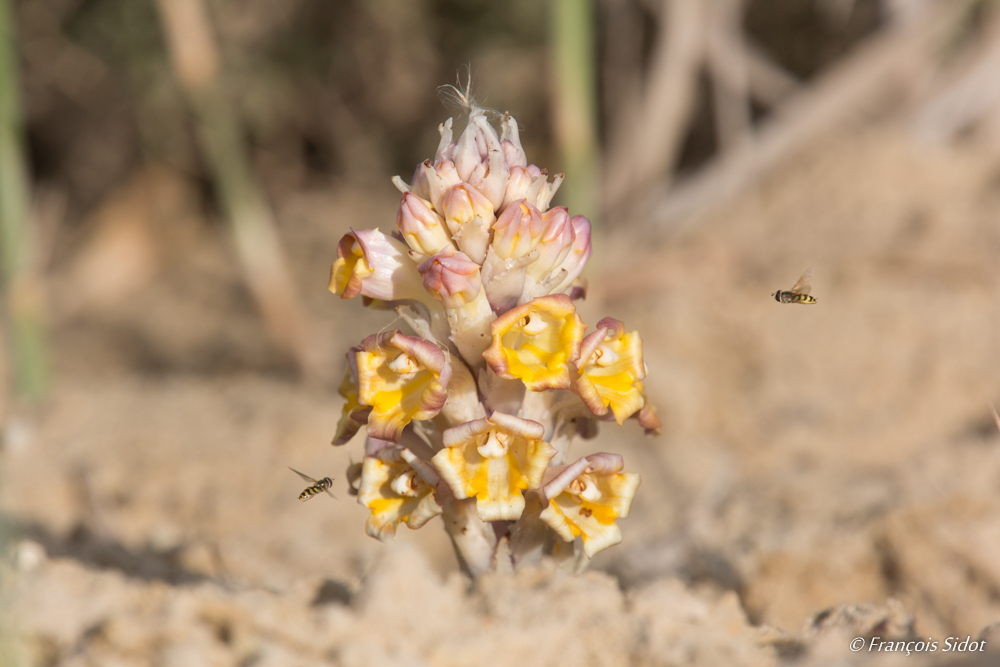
824	473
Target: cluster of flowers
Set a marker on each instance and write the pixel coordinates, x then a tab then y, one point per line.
472	418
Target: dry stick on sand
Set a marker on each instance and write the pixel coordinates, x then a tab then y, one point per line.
894	61
652	139
969	97
729	73
196	64
693	35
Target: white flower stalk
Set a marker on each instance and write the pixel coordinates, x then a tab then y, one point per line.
454	278
467	417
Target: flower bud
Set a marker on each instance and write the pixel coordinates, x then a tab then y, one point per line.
517	230
510	142
452	277
490	178
572	266
446	147
422	229
441	177
469	215
555	244
518	183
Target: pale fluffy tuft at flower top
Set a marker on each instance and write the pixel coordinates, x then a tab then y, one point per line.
472	413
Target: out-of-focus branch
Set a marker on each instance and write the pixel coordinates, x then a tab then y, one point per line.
768	82
971	96
196	64
574	60
24	295
649	148
894	62
729	72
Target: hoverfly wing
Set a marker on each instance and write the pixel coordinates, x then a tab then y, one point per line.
305	477
802	285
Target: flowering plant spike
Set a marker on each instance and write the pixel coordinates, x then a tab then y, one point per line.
471	414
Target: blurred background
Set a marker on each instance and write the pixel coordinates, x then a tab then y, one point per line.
175	176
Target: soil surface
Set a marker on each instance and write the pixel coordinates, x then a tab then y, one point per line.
825	472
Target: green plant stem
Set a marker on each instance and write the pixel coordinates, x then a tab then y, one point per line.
23	301
573	65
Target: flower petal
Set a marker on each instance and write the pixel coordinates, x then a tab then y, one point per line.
610	366
402	378
376	266
354	415
395	491
587	498
536	342
494	459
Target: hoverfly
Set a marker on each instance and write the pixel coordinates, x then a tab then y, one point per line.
315	487
799	292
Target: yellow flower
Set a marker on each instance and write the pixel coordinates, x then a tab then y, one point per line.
610	370
376	266
397	487
354	415
647	415
494	459
402	378
536	342
586	498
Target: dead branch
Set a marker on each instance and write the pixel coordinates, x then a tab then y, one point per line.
894	62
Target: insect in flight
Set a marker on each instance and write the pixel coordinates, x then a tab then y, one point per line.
316	486
799	292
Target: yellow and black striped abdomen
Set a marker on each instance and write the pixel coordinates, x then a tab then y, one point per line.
319	487
793	297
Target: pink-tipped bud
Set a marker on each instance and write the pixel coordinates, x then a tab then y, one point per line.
510	141
555	244
452	277
579	252
422	228
446	147
517	230
418	185
470	151
441	177
518	184
469	214
491	177
463	203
